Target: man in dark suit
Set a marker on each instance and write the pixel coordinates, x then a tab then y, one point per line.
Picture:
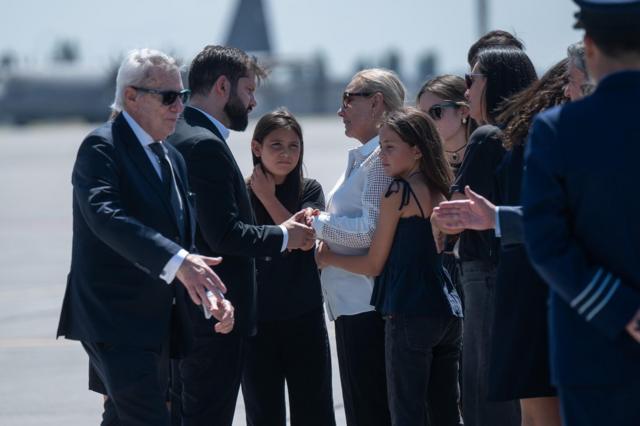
133	226
223	81
581	211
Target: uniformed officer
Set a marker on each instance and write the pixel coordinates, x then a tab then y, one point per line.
582	223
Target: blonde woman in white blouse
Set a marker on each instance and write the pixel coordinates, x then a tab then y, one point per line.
347	227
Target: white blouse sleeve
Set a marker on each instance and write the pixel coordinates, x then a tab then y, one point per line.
357	232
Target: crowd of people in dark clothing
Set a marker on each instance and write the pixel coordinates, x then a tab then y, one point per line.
455	255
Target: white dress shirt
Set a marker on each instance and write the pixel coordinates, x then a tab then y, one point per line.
225	135
170	270
348	226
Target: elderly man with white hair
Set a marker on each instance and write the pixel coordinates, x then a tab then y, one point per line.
133	270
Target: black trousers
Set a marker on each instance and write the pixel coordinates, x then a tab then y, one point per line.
360	345
174	394
478	282
211	376
422	356
600	405
296	351
135	380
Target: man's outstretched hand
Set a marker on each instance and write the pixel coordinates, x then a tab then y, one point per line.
476	212
198	278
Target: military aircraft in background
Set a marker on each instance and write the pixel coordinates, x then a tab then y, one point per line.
56	94
301	84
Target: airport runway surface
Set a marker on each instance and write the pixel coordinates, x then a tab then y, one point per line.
43	381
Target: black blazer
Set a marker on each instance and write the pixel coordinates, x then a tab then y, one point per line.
511	225
226	223
124	232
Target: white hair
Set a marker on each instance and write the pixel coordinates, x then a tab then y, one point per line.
383	81
136	70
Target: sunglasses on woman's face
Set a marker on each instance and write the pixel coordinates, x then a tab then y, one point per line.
470	78
168	96
437	110
348	96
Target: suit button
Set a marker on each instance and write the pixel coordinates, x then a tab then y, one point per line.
176	239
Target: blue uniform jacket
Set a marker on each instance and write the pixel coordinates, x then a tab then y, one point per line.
582	228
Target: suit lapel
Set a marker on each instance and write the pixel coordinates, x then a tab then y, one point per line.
187	202
136	152
196	118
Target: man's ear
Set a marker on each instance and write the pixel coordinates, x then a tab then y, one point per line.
130	97
221	87
256	148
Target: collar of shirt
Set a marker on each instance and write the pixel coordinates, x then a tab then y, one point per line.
365	150
143	137
361	153
221	127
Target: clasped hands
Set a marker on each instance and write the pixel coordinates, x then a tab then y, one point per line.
301	234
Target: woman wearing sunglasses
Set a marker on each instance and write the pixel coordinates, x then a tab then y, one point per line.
443	99
497	75
521	368
347	227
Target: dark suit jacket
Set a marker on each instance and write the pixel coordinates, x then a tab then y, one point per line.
124	232
582	228
511	231
226	223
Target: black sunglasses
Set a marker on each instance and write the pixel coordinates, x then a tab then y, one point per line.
470	78
437	110
168	96
346	97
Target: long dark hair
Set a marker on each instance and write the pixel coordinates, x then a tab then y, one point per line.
290	192
415	128
518	111
507	72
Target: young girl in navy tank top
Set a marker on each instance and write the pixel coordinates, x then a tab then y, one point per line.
413	292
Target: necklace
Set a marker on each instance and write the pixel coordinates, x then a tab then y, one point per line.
454	154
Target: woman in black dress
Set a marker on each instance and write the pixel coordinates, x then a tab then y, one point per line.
519	364
497	75
413	292
292	344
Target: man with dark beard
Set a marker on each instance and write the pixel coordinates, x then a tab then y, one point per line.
223	81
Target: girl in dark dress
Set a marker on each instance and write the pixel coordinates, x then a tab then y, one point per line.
292	344
496	75
413	292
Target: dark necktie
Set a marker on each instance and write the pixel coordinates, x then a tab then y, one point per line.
169	184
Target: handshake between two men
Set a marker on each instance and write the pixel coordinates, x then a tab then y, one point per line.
207	289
